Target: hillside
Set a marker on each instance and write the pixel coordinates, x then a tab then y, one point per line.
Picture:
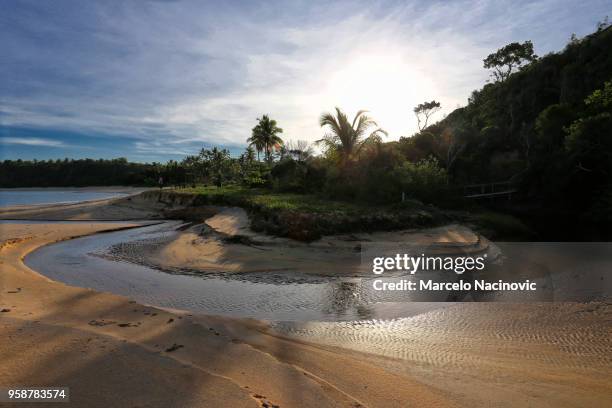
547	127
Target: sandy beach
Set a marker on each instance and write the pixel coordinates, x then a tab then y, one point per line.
112	351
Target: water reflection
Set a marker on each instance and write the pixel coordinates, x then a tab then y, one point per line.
346	297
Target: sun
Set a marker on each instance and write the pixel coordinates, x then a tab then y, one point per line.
387	86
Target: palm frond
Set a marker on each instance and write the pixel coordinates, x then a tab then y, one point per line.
363	124
379	130
327	119
357	116
346	137
329	143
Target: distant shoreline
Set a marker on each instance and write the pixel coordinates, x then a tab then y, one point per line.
86	188
32	198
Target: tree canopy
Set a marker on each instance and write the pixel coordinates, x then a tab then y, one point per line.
264	136
424	111
507	59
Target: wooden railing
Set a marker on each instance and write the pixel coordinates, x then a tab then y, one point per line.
490	190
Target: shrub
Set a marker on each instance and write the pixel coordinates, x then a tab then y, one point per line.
424	180
297	176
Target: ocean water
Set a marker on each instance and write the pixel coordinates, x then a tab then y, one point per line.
13	197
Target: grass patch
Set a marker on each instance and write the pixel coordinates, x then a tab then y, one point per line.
265	199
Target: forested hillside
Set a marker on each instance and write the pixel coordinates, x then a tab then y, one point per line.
548	127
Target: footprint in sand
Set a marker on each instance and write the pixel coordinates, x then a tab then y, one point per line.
128	324
101	322
174	347
264	402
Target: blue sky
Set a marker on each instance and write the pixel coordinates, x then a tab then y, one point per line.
156	80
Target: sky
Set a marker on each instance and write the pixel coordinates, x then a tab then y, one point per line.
158	80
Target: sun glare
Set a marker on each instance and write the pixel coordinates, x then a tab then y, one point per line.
387	86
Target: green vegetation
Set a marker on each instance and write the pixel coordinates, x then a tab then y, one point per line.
266	199
544	124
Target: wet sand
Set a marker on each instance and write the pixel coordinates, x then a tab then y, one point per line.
114	352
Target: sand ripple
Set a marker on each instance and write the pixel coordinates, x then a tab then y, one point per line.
467	335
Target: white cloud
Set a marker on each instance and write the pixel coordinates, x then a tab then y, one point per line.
31	141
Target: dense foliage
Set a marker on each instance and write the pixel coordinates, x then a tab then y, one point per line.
547	127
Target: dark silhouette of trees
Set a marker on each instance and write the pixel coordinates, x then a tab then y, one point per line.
507	59
424	111
81	172
346	138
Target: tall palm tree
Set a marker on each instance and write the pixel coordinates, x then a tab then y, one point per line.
264	136
345	137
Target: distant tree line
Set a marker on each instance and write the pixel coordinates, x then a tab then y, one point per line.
81	172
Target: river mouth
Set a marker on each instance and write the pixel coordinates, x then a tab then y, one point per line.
337	311
86	262
98	262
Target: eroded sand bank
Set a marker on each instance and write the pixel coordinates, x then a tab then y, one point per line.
113	352
225	244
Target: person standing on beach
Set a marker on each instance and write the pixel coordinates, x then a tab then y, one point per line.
160	181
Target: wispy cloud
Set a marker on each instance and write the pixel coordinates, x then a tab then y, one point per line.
31	141
191	72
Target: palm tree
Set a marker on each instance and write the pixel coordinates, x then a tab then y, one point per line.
256	140
345	137
249	154
265	137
